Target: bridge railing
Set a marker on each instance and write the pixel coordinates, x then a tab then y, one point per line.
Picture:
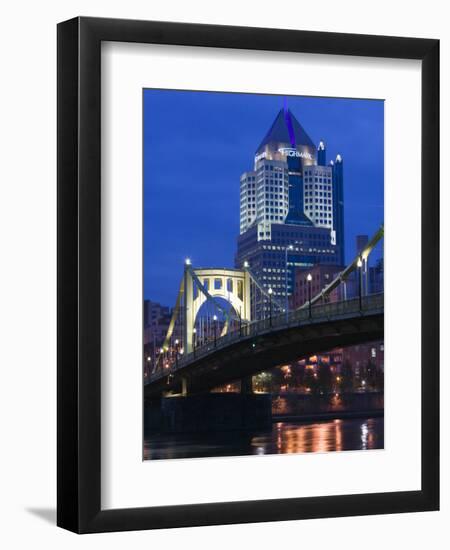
317	313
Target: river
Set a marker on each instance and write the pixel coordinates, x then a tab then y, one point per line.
285	437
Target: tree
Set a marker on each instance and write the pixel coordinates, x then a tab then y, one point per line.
347	378
277	379
310	381
298	375
324	379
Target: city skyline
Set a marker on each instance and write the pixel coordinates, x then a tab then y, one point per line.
196	146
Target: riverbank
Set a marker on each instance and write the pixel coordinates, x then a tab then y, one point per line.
295	405
213	412
335	415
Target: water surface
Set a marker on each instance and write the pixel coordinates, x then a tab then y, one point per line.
284	437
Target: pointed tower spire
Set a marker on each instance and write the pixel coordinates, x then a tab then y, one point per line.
321	154
286	129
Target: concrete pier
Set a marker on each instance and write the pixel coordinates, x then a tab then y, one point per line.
209	412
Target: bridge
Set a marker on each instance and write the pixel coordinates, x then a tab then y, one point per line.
245	346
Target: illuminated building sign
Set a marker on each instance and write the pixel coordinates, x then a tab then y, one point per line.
290	152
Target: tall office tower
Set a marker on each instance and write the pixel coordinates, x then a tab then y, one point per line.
338	205
248	200
287	213
318	191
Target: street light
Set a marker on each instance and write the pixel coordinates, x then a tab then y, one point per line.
309	280
194	339
270	305
215	330
176	351
187	261
359	263
290	247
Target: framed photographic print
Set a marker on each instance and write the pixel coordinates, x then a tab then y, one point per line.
237	207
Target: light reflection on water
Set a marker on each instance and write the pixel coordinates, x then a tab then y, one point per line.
284	438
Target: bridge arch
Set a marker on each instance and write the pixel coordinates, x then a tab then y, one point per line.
200	285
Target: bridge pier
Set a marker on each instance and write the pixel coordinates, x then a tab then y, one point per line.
184	386
209	412
247	385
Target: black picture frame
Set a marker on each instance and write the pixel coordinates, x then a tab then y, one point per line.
79	279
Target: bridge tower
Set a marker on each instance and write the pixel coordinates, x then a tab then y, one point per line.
200	285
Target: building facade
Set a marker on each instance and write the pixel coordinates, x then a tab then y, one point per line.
321	276
291	207
156	323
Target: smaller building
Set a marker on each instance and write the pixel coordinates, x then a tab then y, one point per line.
156	324
366	361
154	312
321	276
376	277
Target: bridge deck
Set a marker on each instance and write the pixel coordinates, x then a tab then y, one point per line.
264	344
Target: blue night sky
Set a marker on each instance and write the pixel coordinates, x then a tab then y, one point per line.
197	144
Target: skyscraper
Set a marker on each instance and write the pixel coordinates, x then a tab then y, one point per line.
291	207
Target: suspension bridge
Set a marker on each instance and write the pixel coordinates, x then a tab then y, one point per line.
238	345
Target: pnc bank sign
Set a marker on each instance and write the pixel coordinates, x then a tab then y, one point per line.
290	152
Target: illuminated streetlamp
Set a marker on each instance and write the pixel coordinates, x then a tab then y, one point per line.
176	351
215	330
309	281
194	339
270	291
359	263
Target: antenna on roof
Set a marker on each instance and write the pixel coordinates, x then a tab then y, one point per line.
288	122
